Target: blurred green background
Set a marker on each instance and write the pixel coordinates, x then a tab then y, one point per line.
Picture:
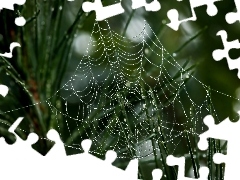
54	43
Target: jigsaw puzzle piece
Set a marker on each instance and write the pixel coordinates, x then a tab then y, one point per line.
9	4
4	90
232	17
103	169
15	155
203	143
173	14
20	145
180	162
219	54
157	174
58	149
9	54
102	12
215	131
231	169
153	6
226	130
86	145
219	158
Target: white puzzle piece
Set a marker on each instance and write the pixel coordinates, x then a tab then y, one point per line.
229	131
25	162
153	6
232	17
58	150
19	157
19	21
173	14
9	4
219	54
9	54
180	162
157	174
102	12
4	90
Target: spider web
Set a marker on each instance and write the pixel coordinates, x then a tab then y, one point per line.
132	97
128	102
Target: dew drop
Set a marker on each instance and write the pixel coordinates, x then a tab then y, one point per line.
146	51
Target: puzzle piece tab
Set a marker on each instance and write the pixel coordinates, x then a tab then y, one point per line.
4	90
102	12
173	14
9	4
25	162
226	130
103	169
180	162
153	6
224	53
9	54
157	174
14	156
232	17
58	150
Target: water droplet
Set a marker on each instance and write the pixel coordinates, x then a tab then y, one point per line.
146	51
164	21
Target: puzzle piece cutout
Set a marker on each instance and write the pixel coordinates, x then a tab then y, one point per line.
180	162
232	17
157	174
224	53
173	14
9	4
103	13
25	162
4	90
14	156
226	130
19	21
9	54
153	6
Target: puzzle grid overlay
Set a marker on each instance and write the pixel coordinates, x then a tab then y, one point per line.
57	152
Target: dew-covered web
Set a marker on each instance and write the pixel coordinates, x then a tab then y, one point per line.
131	97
